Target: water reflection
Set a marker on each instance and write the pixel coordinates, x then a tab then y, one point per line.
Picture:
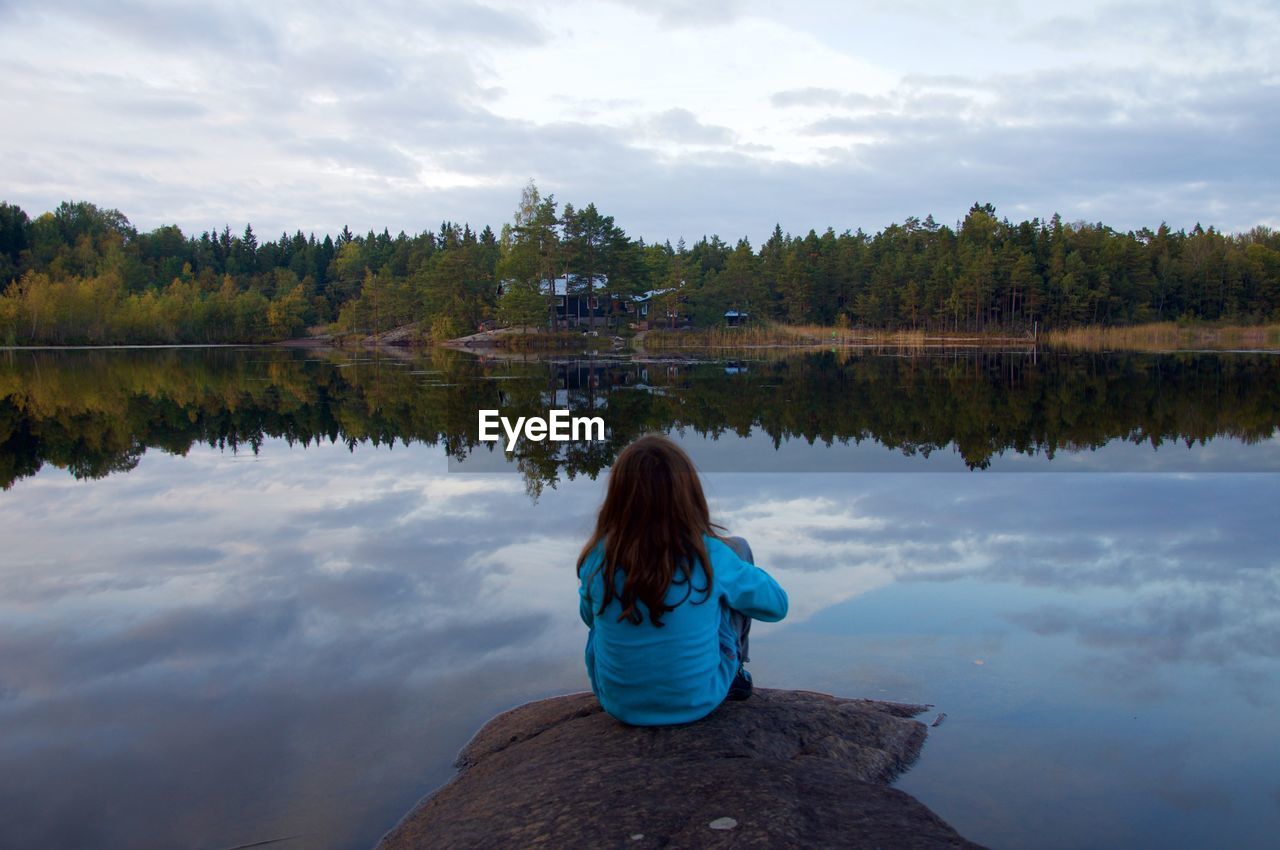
307	660
95	413
208	652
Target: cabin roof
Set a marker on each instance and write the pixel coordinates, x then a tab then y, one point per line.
652	293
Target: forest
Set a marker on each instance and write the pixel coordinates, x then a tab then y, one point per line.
82	274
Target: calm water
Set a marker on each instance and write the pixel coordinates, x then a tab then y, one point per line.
254	594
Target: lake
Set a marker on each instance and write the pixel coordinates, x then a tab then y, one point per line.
250	594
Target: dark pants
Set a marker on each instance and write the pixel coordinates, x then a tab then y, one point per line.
740	622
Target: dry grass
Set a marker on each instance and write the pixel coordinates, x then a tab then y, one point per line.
780	335
660	340
1166	336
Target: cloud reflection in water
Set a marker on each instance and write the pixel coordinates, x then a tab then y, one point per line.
219	649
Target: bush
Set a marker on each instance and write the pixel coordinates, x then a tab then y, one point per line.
445	328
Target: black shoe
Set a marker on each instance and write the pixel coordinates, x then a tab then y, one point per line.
740	687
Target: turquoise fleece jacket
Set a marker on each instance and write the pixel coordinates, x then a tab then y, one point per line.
647	675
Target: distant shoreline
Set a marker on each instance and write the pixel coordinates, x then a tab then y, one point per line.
1153	337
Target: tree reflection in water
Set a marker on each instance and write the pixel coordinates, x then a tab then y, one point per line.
96	412
209	652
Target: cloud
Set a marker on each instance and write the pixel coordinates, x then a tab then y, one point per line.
688	13
681	126
405	116
476	20
827	98
1197	32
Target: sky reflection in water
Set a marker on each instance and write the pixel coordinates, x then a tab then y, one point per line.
219	649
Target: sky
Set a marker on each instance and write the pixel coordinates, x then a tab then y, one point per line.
680	119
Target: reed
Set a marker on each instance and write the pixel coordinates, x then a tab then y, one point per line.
780	335
751	337
1166	336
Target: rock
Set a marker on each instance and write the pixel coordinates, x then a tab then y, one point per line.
783	769
409	334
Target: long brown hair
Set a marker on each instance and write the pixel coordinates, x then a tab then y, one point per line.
652	521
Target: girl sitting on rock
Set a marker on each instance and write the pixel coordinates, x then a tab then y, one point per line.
668	601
